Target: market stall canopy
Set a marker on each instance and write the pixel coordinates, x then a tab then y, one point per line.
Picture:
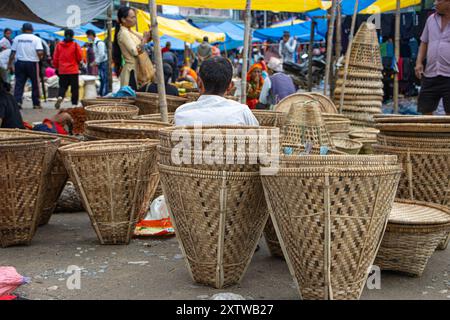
381	6
80	32
176	44
234	34
286	23
16	26
301	31
179	29
269	5
63	13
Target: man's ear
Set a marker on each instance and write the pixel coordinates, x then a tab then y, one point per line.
201	86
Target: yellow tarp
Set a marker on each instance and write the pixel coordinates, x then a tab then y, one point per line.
179	29
388	5
269	5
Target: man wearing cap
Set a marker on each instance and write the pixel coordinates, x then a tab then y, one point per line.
277	86
287	47
27	49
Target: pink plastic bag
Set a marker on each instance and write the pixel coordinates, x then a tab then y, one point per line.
10	280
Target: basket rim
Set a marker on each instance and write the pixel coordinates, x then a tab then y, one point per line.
356	144
155	95
164	168
29	133
415	150
444	209
117	146
92	108
384	118
414	127
108	125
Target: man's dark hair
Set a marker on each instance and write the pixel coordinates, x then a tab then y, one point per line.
27	27
7	30
205	39
91	32
216	74
69	34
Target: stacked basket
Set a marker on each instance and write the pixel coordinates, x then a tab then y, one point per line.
111	112
109	101
148	103
363	94
217	206
25	164
422	144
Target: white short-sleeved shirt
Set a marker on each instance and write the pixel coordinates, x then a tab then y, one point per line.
214	110
26	46
4	44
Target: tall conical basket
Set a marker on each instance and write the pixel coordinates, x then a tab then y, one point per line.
25	164
332	220
115	179
366	48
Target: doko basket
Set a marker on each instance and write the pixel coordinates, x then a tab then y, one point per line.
111	112
25	164
218	218
123	129
414	231
115	180
148	103
330	213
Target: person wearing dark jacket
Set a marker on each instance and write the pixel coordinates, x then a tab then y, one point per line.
66	60
10	117
153	87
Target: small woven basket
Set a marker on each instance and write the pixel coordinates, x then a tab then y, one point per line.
116	179
111	112
348	146
414	231
331	222
123	129
148	103
25	165
268	118
108	101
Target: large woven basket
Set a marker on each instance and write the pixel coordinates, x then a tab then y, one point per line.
218	217
123	129
305	124
365	51
397	118
115	179
414	231
415	142
331	220
111	112
25	164
91	102
155	117
148	103
57	176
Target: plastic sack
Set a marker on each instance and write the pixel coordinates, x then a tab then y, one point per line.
157	221
10	280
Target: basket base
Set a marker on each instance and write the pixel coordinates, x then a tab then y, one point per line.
16	237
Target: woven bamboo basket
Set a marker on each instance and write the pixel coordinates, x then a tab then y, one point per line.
115	179
333	116
218	217
415	128
331	223
364	103
341	125
148	103
348	146
123	129
359	91
268	118
397	118
305	124
414	231
299	149
25	165
155	117
362	97
286	104
360	116
362	73
367	56
372	110
359	82
414	142
192	96
57	177
328	105
367	139
109	101
366	131
111	112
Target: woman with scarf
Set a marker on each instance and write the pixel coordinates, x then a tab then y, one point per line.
255	82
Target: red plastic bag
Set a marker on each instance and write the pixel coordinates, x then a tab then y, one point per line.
10	280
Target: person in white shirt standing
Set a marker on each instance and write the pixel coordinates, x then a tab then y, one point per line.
101	60
215	78
287	47
28	50
6	41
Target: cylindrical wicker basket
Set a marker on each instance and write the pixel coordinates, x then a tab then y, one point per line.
331	222
25	165
123	129
414	231
111	112
109	101
148	103
219	217
116	179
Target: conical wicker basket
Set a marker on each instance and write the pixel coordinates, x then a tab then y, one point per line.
218	217
365	50
109	101
331	222
414	231
305	124
148	103
123	129
111	112
115	179
155	117
25	164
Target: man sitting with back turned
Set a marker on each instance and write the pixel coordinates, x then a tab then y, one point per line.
215	78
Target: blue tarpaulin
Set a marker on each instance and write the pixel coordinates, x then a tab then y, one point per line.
234	34
16	26
176	44
301	31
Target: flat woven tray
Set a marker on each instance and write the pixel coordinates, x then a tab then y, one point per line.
419	213
286	104
415	127
326	102
384	118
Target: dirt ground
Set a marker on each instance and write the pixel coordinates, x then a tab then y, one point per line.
155	268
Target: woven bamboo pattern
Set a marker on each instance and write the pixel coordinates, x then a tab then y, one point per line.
373	110
368	139
361	73
327	104
123	129
286	104
348	146
364	103
332	221
341	125
360	91
268	118
25	164
109	101
57	177
111	112
432	128
414	231
397	118
414	142
155	117
305	124
148	103
116	180
218	217
365	50
363	97
359	82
